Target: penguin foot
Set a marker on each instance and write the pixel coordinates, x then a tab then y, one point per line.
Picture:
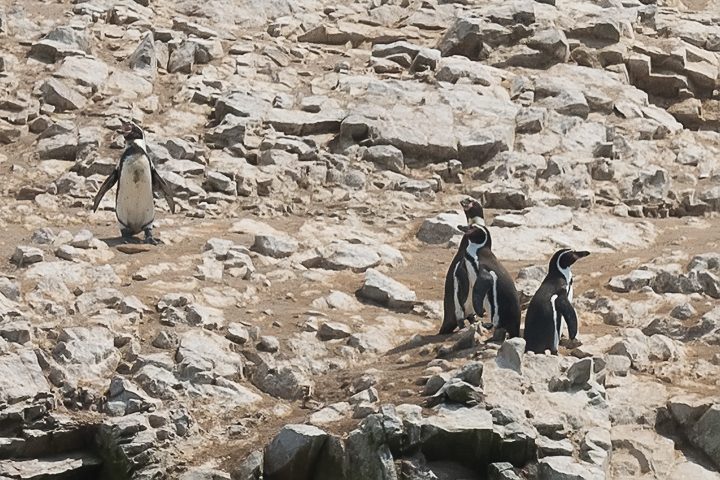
127	235
149	237
487	326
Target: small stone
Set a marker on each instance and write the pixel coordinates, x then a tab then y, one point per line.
275	246
511	353
165	340
333	331
27	255
268	343
237	333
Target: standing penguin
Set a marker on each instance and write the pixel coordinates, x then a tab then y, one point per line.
136	177
473	211
551	303
476	275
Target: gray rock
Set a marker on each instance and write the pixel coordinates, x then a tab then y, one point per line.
581	372
27	256
342	255
385	156
440	229
284	379
268	343
293	453
456	391
566	468
547	447
165	340
144	59
706	433
472	373
203	473
21	376
202	356
386	291
217	182
182	58
333	331
59	95
85	71
61	42
237	333
511	354
470	37
87	355
275	246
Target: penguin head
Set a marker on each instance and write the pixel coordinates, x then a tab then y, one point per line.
473	210
133	134
131	131
478	235
564	258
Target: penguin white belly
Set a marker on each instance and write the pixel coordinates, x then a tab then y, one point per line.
472	278
134	205
556	323
459	312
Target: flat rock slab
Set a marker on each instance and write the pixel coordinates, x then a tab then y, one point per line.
133	248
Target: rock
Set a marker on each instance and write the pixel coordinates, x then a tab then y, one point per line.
566	468
60	96
385	156
182	58
548	448
333	331
202	356
470	38
268	343
511	354
440	229
85	71
472	373
275	246
21	376
144	59
202	473
581	372
456	391
237	333
27	256
293	453
342	255
386	291
706	433
61	42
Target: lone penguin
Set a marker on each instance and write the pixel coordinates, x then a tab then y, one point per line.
473	211
137	178
551	303
477	282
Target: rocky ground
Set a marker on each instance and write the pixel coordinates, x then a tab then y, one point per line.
286	326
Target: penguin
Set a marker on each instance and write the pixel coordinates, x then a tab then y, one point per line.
137	178
473	211
551	303
477	282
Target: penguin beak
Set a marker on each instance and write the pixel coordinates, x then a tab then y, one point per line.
466	203
577	255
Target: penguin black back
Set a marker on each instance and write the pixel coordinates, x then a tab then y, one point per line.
551	303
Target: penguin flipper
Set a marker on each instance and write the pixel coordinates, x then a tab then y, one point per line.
107	185
159	183
566	309
483	285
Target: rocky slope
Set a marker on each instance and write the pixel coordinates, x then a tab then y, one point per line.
286	326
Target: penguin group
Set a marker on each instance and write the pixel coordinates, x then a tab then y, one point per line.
477	283
137	180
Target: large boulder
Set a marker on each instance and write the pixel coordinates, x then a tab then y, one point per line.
292	454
